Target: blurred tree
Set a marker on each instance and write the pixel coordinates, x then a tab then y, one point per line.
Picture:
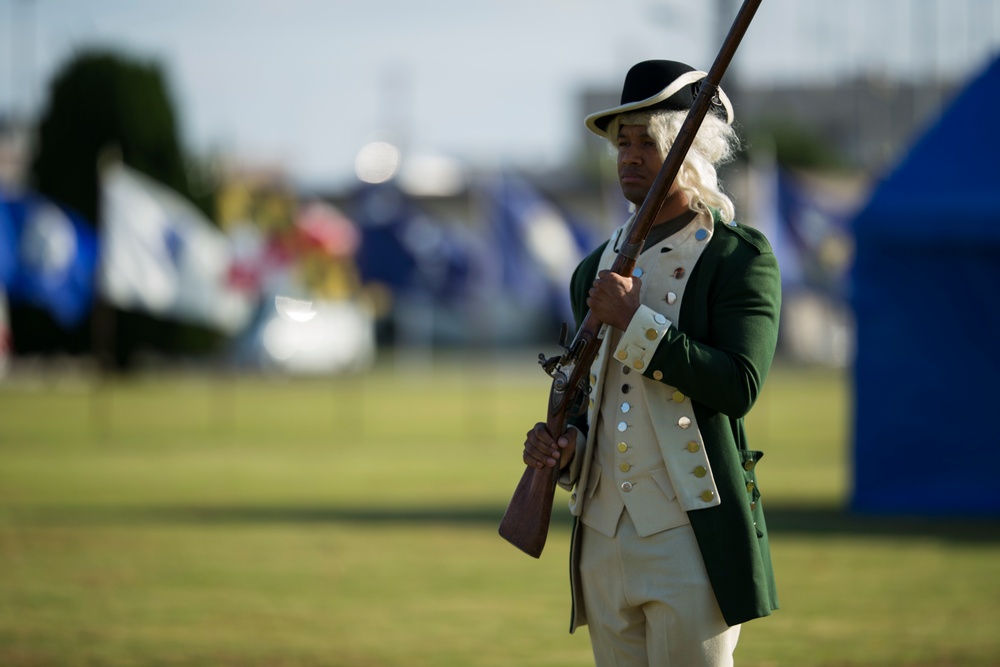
793	144
102	101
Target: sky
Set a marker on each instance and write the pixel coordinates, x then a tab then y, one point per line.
303	85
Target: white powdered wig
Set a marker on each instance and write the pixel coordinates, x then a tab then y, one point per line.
714	145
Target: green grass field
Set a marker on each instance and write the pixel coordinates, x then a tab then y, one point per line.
190	520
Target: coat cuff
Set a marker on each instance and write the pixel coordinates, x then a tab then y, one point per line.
640	340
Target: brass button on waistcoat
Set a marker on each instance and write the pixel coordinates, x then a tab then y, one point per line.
622	355
678	397
693	446
657	375
748	465
700	471
622	446
624	467
707	495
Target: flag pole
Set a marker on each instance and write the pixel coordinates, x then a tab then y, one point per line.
103	318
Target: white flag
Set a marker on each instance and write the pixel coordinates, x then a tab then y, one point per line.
161	255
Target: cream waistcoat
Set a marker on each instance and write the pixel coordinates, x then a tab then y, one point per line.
628	468
667	472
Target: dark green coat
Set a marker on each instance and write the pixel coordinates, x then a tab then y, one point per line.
718	353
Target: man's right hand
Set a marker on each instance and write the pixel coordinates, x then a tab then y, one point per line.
541	449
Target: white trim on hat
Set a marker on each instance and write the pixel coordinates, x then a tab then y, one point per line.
685	79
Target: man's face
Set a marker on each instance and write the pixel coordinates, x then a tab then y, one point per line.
639	162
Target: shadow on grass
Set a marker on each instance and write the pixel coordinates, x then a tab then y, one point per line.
816	521
819	521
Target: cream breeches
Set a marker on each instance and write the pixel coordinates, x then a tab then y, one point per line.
649	602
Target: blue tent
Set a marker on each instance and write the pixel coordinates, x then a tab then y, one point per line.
926	297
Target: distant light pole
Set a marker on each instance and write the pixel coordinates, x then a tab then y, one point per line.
22	57
725	10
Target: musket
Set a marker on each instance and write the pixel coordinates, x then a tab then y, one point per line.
525	524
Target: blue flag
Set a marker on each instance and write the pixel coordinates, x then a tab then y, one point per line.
815	227
8	245
54	258
538	244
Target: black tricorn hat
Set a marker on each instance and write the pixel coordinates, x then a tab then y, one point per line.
654	85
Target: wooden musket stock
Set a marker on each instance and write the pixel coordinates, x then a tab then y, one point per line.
525	524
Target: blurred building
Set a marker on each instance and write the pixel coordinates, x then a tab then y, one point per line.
867	122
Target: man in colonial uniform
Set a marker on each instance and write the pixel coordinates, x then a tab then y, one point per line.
670	552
